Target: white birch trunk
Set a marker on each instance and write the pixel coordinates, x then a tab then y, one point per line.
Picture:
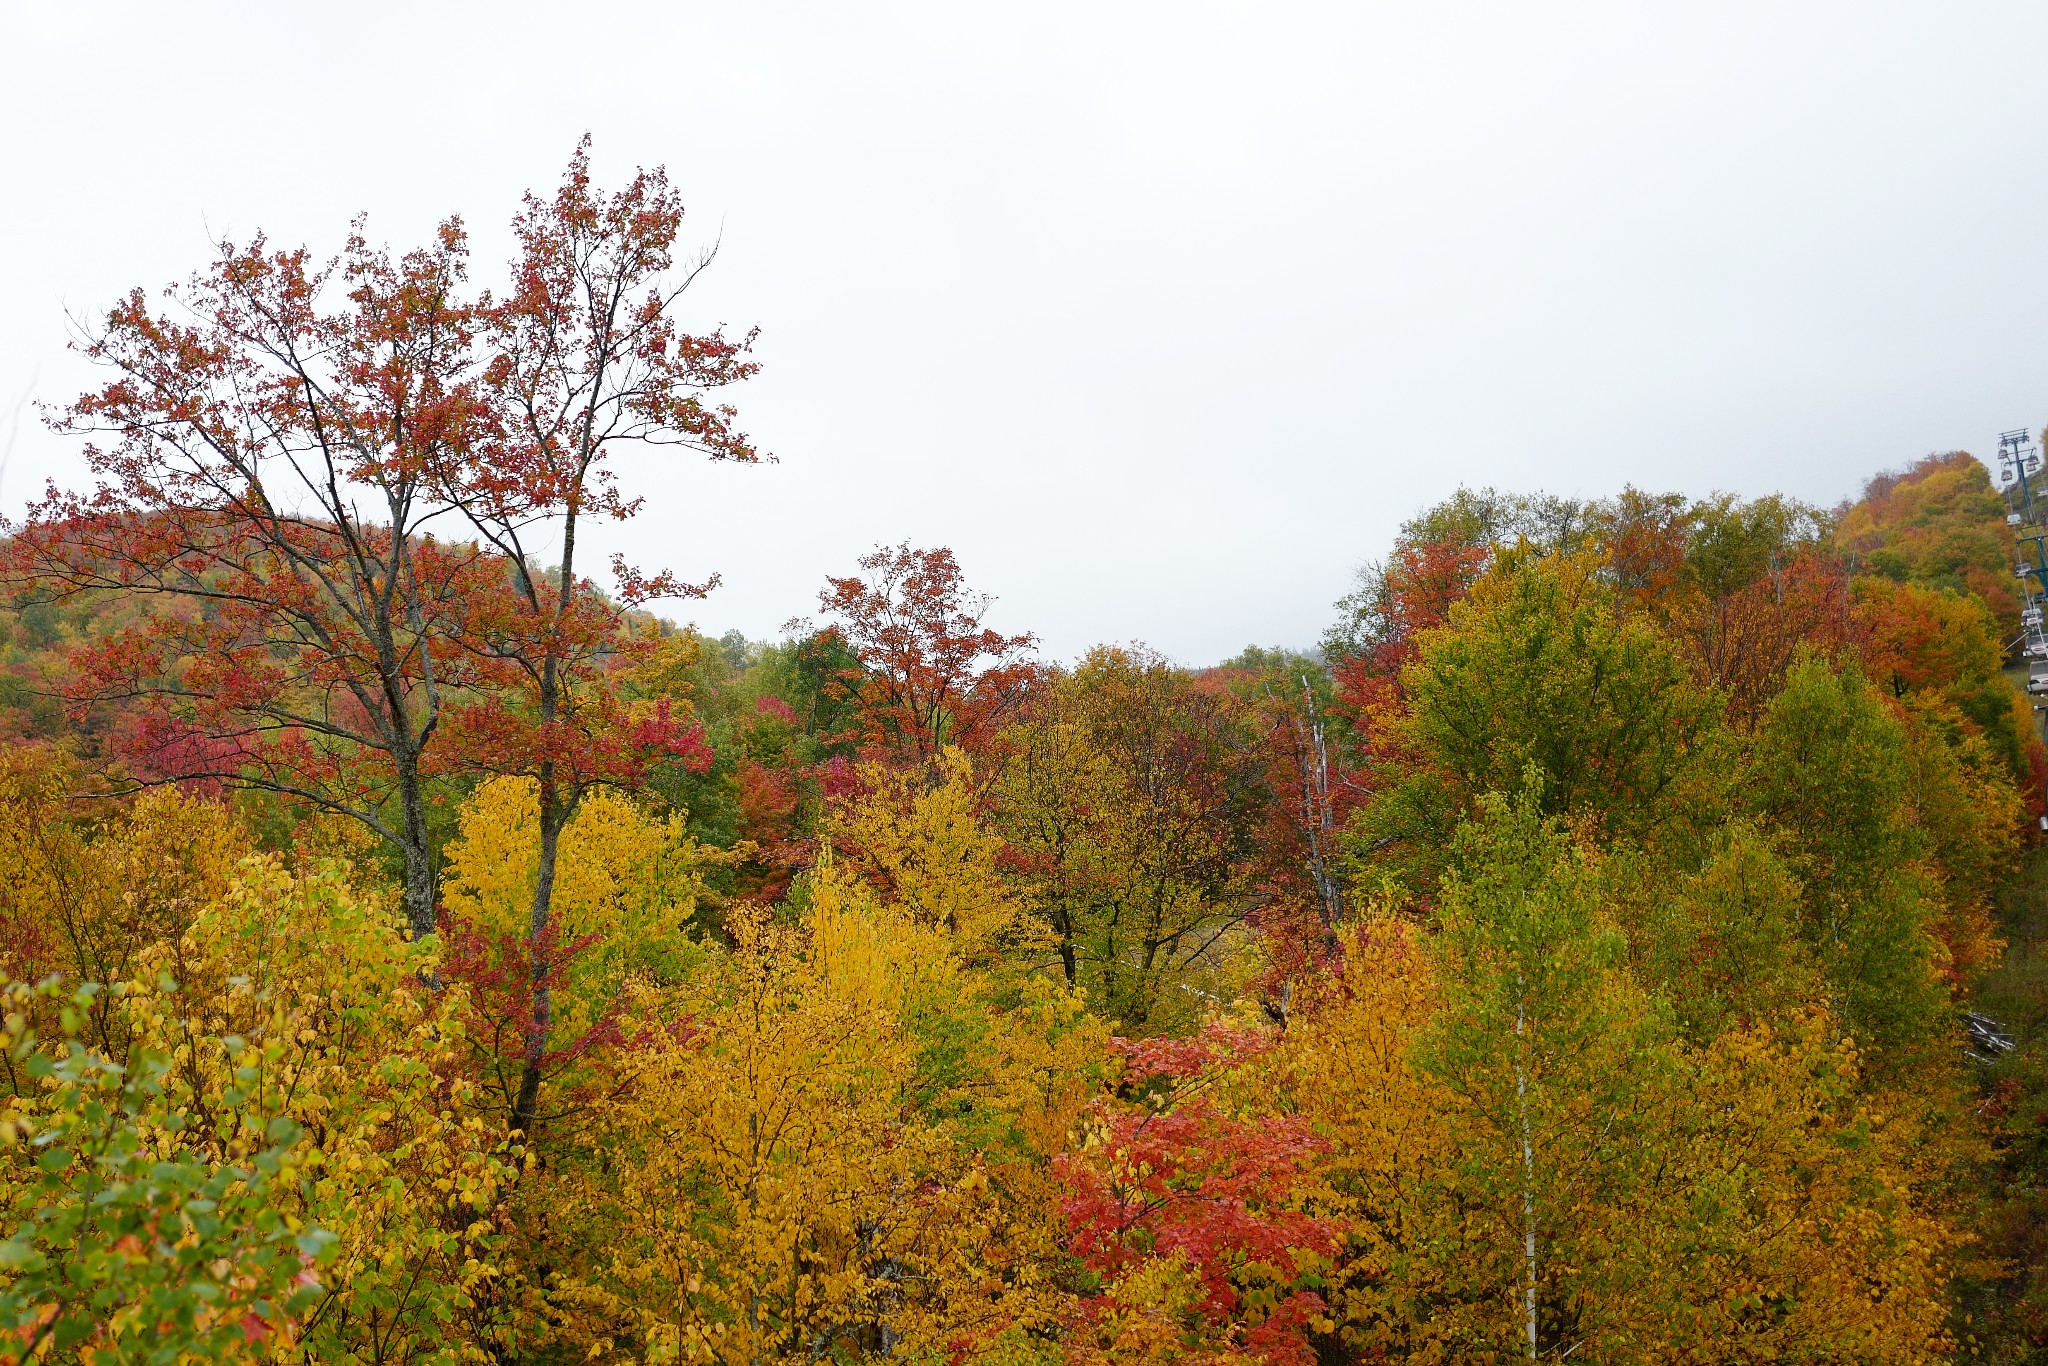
1528	1172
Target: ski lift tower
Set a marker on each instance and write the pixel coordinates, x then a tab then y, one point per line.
2019	463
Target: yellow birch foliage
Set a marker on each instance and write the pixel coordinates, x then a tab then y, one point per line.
920	837
365	1056
834	1143
627	880
87	887
1776	1212
1348	1068
1791	1216
277	994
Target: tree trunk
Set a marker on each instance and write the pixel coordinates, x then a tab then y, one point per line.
420	917
1528	1177
552	819
1320	817
1063	925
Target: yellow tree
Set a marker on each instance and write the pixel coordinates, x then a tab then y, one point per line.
1787	1215
628	887
835	1144
267	1009
360	1051
1348	1065
88	887
919	837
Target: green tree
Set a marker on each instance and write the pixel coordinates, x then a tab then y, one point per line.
1719	939
1556	1059
1830	770
1536	670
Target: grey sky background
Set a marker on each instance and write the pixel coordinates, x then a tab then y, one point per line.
1162	316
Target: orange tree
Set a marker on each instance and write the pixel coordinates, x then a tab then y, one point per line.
268	457
278	466
586	356
1938	523
918	632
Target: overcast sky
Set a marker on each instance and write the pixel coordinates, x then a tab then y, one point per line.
1162	316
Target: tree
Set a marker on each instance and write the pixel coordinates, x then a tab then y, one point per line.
270	490
1310	792
1553	1054
1972	819
1736	1199
1767	587
1718	938
1196	1221
1938	523
586	357
1049	801
1134	797
284	1072
89	888
833	1147
303	635
353	1041
1923	640
1348	1066
1537	670
627	891
918	632
1830	770
1385	616
920	839
1645	538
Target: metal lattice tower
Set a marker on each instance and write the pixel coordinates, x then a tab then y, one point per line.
2019	462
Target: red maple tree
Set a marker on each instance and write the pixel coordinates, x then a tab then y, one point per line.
269	462
1176	1176
587	357
932	673
283	472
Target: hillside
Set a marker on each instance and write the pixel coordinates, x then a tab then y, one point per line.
1616	879
1622	941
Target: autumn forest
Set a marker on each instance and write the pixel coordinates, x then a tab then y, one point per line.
1622	938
